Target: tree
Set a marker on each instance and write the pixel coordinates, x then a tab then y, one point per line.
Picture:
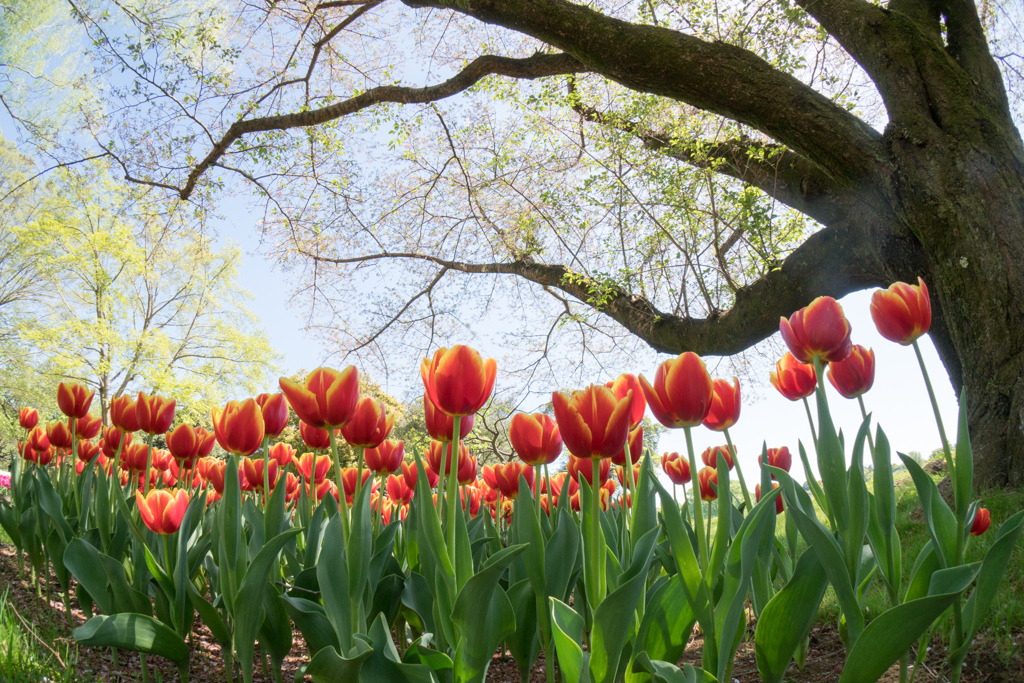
831	146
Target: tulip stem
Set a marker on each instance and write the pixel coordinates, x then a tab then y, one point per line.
864	414
810	421
74	455
551	501
342	506
149	463
266	471
597	552
739	471
359	473
938	417
698	514
452	491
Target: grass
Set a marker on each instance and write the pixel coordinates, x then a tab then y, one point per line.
33	652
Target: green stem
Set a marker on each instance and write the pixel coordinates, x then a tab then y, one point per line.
739	471
359	473
810	420
864	414
74	459
698	514
938	417
551	499
596	554
453	492
266	470
149	463
342	505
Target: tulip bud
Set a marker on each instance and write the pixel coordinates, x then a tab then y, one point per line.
706	477
793	379
725	405
982	520
682	392
819	329
592	422
162	510
676	467
535	438
854	375
710	456
275	413
28	418
778	501
903	312
74	399
458	380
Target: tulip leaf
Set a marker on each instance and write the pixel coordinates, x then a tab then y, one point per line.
136	632
567	632
787	618
327	666
358	553
84	562
416	596
724	525
884	497
942	524
991	574
275	632
524	643
666	672
964	475
51	504
667	623
832	464
332	576
616	615
812	483
644	509
429	525
312	622
383	663
210	616
440	663
126	598
560	556
892	633
857	499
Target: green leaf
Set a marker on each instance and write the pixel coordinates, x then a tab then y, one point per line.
210	616
964	462
561	555
327	666
383	663
312	623
666	672
332	575
942	524
276	630
84	562
927	563
991	574
667	623
787	618
416	596
524	643
136	632
567	632
832	464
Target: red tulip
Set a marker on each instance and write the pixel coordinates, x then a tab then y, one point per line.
440	426
778	501
385	458
793	379
982	520
38	440
28	418
275	413
725	405
635	443
87	450
74	399
818	329
488	493
155	413
59	434
398	490
325	487
162	510
124	414
621	386
161	459
410	474
370	424
620	472
317	439
854	375
710	456
535	438
349	475
434	457
475	499
88	426
778	457
458	380
283	454
706	477
505	477
903	312
311	471
592	422
133	457
112	439
253	469
676	467
214	473
183	443
291	488
327	399
467	471
579	467
239	427
682	392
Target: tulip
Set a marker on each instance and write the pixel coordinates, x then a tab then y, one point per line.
635	444
505	478
385	458
317	439
291	488
467	470
819	329
112	437
370	424
578	467
488	493
458	380
74	399
41	458
398	490
621	386
214	474
779	457
854	375
328	398
475	499
162	510
706	477
124	414
275	413
682	392
38	440
982	518
59	434
325	487
133	457
676	467
535	438
778	501
184	444
558	483
793	379
88	426
409	472
440	427
903	312
310	470
592	422
161	459
155	413
28	418
623	475
239	427
283	454
434	457
725	405
87	450
253	469
710	456
349	475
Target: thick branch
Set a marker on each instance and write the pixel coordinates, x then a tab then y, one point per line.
537	66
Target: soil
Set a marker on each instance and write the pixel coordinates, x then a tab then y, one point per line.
989	661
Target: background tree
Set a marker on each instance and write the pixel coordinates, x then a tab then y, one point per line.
675	177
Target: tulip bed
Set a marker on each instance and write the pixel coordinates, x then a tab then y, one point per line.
416	569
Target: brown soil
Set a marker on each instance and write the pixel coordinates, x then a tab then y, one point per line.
988	661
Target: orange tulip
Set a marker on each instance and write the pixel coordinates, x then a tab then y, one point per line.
328	397
239	427
676	467
592	422
903	312
40	457
535	438
778	501
349	475
440	450
385	458
620	472
475	499
440	426
326	487
622	385
370	424
636	448
606	491
505	477
214	474
488	493
275	413
317	439
59	434
28	418
184	443
88	426
409	472
291	488
87	450
982	520
133	457
253	469
854	375
778	457
155	413
458	380
161	459
38	440
467	470
74	399
725	405
579	467
112	439
313	471
162	510
283	454
818	329
682	392
398	490
124	414
710	456
706	477
793	379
